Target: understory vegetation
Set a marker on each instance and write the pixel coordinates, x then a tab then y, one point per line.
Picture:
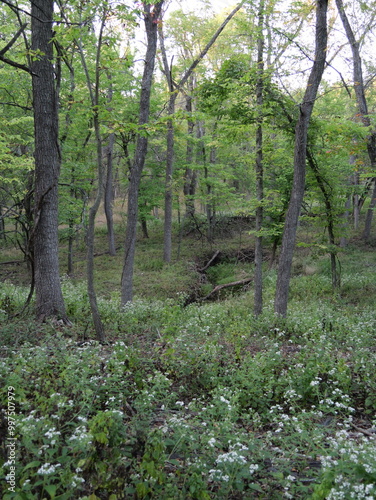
193	399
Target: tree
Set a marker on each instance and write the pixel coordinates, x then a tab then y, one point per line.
259	161
361	99
300	151
109	189
152	15
49	298
174	89
94	98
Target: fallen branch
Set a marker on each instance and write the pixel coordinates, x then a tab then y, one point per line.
209	263
226	285
366	432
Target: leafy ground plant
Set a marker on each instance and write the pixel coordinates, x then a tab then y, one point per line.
193	402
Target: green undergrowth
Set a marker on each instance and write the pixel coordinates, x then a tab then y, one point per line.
200	401
197	402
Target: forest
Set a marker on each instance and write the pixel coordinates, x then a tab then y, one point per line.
187	249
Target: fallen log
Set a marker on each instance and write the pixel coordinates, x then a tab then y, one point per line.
226	285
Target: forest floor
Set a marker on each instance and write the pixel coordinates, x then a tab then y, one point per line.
192	398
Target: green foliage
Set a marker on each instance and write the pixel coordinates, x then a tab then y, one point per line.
200	402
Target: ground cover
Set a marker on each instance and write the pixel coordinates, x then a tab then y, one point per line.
196	401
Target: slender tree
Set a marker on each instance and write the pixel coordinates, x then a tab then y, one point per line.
174	89
259	160
109	188
300	151
152	14
361	99
93	89
190	175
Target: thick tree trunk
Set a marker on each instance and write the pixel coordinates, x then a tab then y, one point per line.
301	132
49	298
151	19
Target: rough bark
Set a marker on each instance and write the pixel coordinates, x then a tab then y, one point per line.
49	298
151	20
301	132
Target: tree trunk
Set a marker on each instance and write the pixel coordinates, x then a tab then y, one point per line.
345	224
301	132
330	218
90	234
174	89
369	215
190	176
151	19
210	206
362	106
144	227
258	300
49	298
168	186
2	224
356	203
109	189
109	196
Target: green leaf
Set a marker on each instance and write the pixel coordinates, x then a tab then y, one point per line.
30	465
256	487
51	490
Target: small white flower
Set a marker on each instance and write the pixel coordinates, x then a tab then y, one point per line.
253	468
211	442
47	468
